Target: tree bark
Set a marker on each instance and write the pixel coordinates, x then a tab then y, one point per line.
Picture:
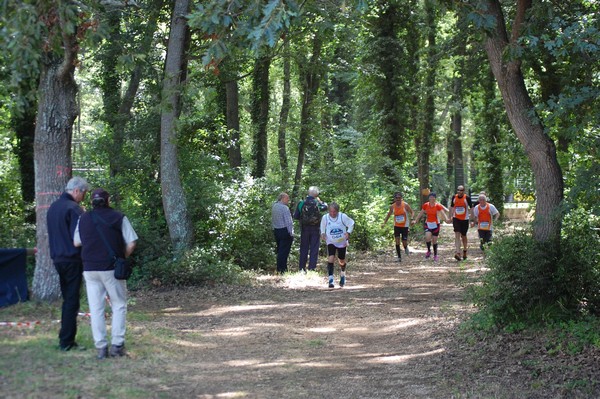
285	110
423	141
233	122
310	74
540	149
260	114
24	125
173	196
57	110
491	132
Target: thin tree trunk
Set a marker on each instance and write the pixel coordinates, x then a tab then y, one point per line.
24	125
285	110
491	132
260	114
311	77
57	110
424	140
540	149
233	123
457	100
174	201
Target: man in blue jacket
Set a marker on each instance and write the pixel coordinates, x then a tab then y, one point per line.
62	219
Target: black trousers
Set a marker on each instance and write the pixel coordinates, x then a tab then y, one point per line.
71	275
284	244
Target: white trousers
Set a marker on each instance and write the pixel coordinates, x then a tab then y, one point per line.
98	284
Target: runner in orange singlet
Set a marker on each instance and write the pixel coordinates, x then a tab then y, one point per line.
460	209
432	223
400	210
485	214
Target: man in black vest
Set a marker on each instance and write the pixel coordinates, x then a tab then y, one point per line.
62	219
98	269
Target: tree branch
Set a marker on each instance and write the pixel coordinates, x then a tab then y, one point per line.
522	7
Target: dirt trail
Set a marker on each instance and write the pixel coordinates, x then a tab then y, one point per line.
381	336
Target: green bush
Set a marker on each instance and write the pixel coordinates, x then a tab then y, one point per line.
198	266
578	270
529	282
239	224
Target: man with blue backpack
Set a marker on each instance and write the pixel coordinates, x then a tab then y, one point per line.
308	213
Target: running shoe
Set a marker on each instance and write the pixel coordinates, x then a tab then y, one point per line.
435	258
342	281
331	282
399	259
406	251
464	255
457	256
428	255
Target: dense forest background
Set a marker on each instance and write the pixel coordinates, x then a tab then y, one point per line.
195	115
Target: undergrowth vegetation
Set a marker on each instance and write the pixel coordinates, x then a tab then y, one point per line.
531	284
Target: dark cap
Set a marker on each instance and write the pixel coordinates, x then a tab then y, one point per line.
99	195
433	194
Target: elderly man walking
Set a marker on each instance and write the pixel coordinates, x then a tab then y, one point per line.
308	212
283	229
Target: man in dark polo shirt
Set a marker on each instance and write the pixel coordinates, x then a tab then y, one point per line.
99	270
62	219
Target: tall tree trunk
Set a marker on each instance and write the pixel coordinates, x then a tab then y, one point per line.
457	101
392	62
310	75
174	202
57	110
540	149
24	125
424	140
233	123
110	85
260	114
117	106
491	133
285	110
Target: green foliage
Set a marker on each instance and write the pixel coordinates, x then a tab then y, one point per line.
573	336
251	24
239	223
13	232
529	282
578	269
198	266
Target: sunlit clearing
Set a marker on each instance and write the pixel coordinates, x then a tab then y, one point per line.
219	311
238	394
320	364
171	310
403	324
231	332
403	358
241	363
189	344
303	280
323	329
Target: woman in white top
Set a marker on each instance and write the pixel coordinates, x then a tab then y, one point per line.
336	228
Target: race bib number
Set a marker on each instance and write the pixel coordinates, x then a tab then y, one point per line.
336	235
484	226
460	210
400	219
432	225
